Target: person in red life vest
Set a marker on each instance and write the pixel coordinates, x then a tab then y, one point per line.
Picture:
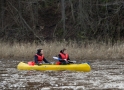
64	57
39	57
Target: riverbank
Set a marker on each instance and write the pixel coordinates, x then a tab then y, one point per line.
76	51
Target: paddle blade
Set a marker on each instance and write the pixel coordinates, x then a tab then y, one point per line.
73	61
56	58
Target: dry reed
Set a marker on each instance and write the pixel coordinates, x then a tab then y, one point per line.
76	51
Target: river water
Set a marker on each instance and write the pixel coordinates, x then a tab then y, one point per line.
105	74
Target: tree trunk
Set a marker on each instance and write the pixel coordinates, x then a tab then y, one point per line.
72	10
2	13
63	18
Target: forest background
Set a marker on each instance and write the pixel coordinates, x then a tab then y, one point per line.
95	28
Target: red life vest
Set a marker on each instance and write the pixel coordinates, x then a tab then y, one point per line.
64	56
40	58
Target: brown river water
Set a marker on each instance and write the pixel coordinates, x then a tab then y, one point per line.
105	75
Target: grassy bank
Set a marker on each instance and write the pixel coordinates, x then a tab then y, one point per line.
76	51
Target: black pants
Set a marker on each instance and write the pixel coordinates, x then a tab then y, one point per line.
63	62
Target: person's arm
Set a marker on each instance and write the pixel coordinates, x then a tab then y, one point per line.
36	59
68	58
59	56
45	60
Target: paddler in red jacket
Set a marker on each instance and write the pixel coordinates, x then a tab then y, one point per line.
64	57
39	57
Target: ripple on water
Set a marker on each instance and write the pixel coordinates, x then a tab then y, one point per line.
104	75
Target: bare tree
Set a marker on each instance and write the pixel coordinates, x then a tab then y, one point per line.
81	19
2	13
63	17
72	10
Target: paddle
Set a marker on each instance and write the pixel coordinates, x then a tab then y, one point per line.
56	58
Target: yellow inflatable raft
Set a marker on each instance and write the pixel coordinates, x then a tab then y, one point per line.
71	67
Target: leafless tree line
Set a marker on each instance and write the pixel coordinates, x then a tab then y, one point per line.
29	20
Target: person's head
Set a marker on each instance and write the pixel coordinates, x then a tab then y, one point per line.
40	51
64	50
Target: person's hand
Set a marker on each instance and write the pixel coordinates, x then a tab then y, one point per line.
38	64
49	63
68	60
